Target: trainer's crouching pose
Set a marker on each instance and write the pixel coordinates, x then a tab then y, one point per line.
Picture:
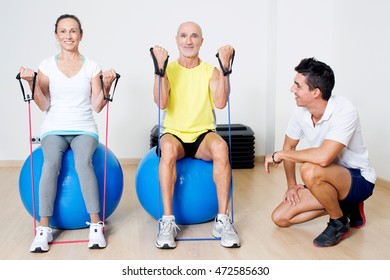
336	171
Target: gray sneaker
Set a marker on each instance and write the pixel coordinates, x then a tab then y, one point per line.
224	228
167	233
43	236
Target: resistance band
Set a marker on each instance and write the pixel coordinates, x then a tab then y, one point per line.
109	98
28	98
161	73
226	72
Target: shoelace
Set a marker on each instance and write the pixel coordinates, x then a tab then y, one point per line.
167	227
95	225
228	226
331	230
42	229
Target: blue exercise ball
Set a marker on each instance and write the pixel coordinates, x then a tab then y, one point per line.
69	208
195	196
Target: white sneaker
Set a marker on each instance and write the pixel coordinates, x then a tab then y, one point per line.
96	236
224	228
167	233
43	235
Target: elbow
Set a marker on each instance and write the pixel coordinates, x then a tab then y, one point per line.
42	107
161	106
325	161
220	104
98	108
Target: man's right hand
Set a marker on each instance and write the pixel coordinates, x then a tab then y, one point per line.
291	196
161	55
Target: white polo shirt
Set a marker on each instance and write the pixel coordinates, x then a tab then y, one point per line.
70	110
340	123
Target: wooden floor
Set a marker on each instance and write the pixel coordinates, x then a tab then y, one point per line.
130	231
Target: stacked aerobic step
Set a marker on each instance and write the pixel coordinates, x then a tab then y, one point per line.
242	139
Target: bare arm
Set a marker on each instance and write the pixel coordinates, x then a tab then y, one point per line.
161	86
289	166
289	145
41	92
97	97
163	92
98	101
324	155
291	195
218	82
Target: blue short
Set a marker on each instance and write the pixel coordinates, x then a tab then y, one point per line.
361	189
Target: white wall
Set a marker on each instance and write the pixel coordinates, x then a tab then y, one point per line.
270	38
362	60
119	35
351	36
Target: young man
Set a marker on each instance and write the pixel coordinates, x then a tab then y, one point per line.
336	171
189	90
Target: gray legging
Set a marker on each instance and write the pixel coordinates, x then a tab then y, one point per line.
54	147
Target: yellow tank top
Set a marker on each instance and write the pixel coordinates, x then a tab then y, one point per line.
190	110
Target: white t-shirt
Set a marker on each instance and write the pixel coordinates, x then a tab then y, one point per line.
340	123
70	110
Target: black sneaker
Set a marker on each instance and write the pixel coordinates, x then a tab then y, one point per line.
355	213
357	216
333	234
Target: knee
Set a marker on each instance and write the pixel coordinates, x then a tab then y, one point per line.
220	150
310	173
82	163
279	219
169	151
52	165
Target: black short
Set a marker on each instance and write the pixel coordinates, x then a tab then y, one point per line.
190	149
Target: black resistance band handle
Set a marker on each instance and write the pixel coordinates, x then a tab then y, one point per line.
108	97
226	71
160	72
27	98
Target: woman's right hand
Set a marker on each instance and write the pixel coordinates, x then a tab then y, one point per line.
27	74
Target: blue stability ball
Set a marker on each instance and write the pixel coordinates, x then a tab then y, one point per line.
69	207
195	196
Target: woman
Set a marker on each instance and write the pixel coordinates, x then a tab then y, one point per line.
68	88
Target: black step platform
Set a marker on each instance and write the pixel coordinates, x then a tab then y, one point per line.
242	142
